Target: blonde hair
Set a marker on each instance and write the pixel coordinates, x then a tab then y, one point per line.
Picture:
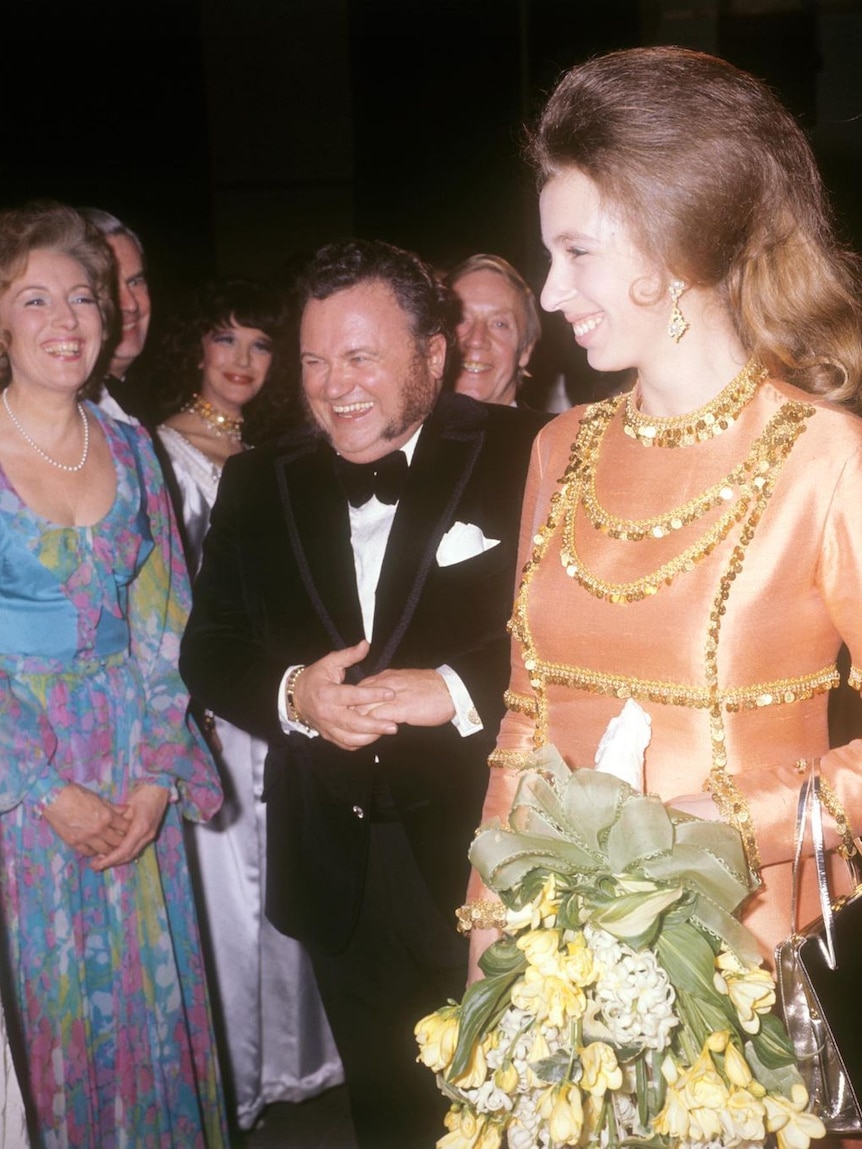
718	183
482	261
46	225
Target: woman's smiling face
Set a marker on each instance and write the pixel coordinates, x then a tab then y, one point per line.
235	364
51	322
597	274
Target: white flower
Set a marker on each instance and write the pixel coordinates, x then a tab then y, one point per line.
634	995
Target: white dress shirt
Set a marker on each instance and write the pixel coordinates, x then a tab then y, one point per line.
370	526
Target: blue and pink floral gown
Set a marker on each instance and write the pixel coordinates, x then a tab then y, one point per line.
107	979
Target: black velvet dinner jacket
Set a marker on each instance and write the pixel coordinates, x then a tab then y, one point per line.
277	587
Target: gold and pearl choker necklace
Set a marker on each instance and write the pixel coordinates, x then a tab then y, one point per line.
225	426
697	426
85	423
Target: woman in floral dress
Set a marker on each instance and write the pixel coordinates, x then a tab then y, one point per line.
98	761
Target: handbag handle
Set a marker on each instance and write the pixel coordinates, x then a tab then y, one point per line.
810	805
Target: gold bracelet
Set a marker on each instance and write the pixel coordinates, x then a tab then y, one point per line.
482	914
293	714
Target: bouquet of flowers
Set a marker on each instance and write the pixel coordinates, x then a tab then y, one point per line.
624	1004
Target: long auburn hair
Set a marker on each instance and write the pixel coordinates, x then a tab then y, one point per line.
718	183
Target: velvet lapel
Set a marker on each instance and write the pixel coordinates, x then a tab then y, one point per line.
318	526
446	453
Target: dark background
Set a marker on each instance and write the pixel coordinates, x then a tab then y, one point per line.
236	136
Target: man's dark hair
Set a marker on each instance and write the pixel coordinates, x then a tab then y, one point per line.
342	265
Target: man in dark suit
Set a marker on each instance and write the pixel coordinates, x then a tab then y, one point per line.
351	610
120	395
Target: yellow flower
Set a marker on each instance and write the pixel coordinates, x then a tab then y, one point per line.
787	1118
507	1077
491	1136
750	988
601	1070
673	1121
705	1095
464	1128
561	1107
539	1050
547	902
468	1131
744	1117
736	1067
696	1099
542	950
476	1071
550	998
579	964
437	1037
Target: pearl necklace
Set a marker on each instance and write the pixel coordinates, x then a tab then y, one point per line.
225	426
44	454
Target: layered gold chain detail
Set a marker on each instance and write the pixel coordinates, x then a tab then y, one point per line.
696	426
753	477
728	797
746	479
778	438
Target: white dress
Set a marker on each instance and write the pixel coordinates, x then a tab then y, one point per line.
273	1027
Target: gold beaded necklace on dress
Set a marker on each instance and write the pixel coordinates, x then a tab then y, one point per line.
754	478
221	424
745	481
708	421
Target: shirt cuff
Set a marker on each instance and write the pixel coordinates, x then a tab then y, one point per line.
466	720
287	726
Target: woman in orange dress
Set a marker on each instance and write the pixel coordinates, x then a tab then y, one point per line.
696	544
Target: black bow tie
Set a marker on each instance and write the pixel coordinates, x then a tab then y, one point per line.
382	477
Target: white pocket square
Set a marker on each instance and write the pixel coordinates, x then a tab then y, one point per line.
461	542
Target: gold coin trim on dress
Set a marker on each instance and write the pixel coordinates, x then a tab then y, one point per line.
781	692
706	422
726	793
768	454
743	481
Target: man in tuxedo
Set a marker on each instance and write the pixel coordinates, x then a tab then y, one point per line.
351	610
119	396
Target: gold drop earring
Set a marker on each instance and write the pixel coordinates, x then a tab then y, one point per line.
677	324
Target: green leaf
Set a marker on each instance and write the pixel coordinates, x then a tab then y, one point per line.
635	916
481	1001
772	1044
502	957
687	958
552	1070
776	1079
706	1015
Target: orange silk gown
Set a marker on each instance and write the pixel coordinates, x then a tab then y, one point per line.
797	595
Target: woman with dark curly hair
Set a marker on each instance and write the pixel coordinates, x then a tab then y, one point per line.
98	762
219	379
